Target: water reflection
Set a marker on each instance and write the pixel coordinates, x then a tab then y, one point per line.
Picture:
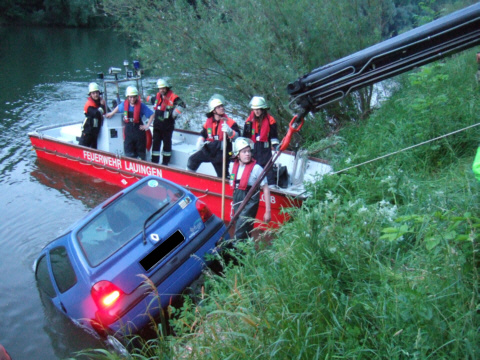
42	55
90	191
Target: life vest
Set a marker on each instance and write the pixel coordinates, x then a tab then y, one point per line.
136	111
165	103
264	130
241	183
214	128
90	103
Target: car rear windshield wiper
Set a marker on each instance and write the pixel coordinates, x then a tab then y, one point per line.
156	212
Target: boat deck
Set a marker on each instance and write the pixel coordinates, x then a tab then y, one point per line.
300	167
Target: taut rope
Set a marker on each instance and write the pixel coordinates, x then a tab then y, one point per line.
405	149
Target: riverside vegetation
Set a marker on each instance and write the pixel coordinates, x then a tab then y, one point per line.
382	260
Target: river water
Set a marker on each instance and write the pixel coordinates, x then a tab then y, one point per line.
44	79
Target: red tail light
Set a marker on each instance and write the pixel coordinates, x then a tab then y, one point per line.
203	210
105	294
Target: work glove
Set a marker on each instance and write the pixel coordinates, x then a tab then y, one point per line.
227	129
177	111
100	110
200	143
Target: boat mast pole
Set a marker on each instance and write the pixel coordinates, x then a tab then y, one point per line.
224	170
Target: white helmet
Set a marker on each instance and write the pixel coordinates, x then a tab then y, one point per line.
131	91
258	102
162	83
219	97
240	144
213	103
93	87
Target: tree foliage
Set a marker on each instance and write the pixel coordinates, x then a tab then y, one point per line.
256	47
65	13
243	48
250	47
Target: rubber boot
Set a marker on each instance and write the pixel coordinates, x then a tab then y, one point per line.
166	160
155	159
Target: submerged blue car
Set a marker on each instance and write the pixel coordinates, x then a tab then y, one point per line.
151	237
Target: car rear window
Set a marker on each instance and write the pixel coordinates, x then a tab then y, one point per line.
123	219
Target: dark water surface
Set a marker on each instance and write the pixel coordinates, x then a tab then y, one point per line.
44	80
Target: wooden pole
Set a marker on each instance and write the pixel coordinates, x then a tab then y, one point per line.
224	171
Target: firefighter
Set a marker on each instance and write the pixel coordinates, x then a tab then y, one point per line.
168	106
210	142
245	172
94	109
134	110
261	128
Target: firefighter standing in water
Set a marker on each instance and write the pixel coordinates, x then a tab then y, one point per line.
261	128
133	109
245	172
168	106
210	142
94	109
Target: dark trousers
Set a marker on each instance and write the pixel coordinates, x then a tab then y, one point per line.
262	155
211	153
135	143
89	140
160	136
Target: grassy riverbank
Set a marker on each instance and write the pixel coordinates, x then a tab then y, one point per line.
381	262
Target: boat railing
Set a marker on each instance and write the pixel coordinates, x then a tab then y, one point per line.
117	100
131	75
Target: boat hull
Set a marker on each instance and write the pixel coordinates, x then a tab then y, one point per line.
123	171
